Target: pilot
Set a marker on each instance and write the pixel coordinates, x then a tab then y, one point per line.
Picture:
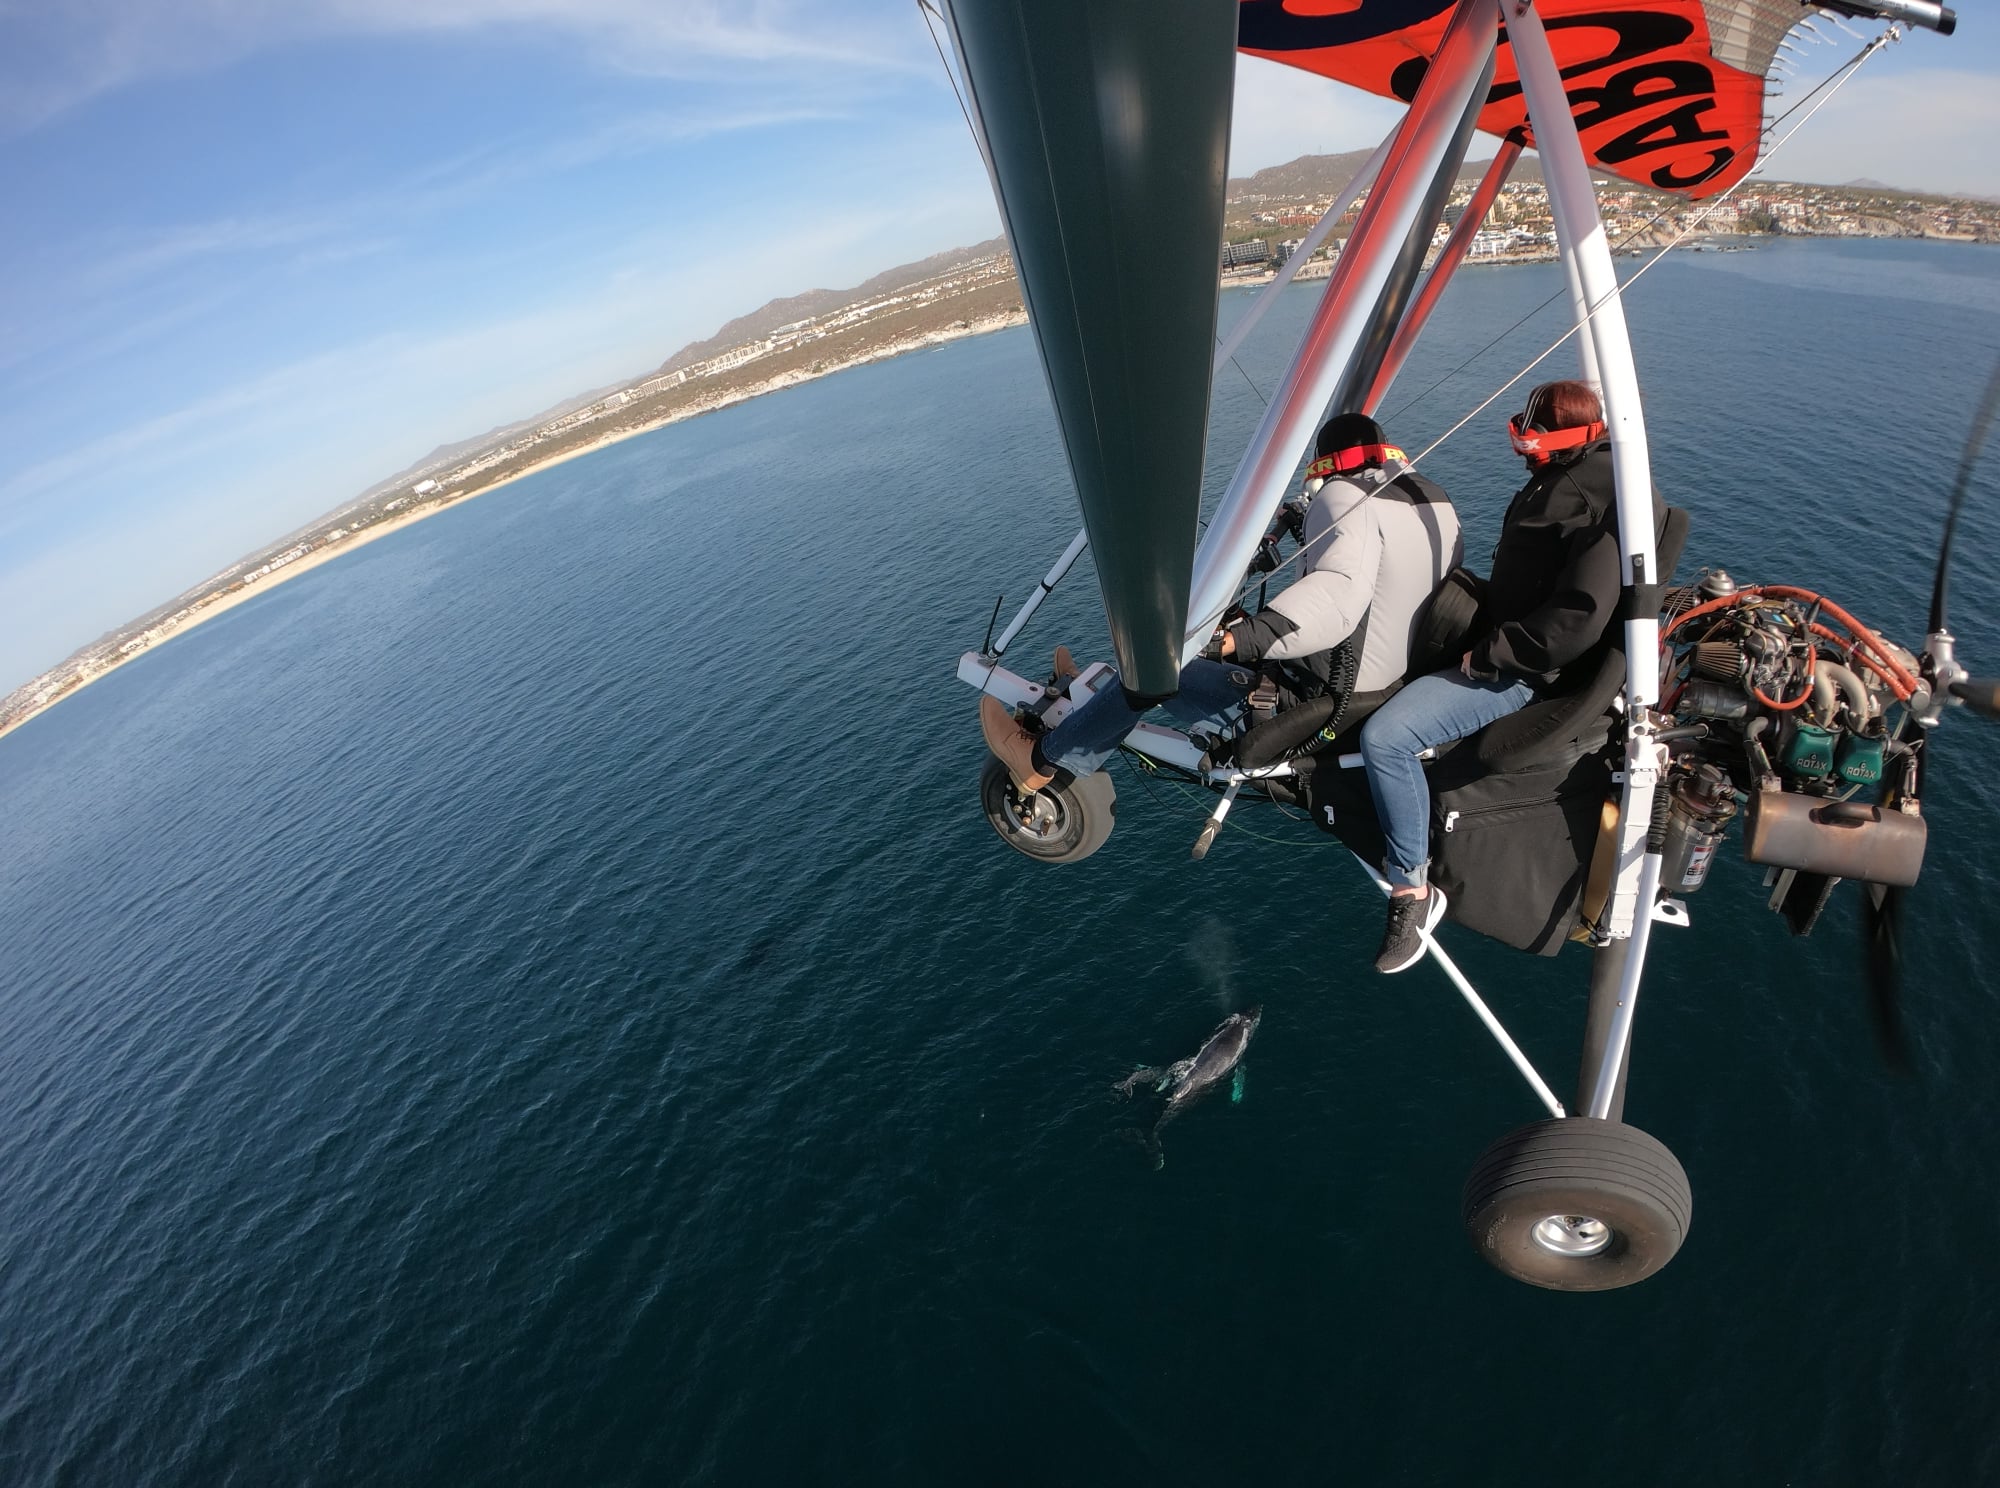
1376	540
1555	587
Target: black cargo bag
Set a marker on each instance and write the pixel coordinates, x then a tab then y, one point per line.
1510	851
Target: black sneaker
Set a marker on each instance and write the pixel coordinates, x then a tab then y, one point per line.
1411	921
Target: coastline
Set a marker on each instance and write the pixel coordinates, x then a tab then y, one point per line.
218	600
228	600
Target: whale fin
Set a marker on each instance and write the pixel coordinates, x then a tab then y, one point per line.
1138	1077
1236	1087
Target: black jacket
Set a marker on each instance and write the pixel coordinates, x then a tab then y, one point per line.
1556	577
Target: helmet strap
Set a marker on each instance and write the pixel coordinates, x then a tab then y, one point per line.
1354	457
1539	446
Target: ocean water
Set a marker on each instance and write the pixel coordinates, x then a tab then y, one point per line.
534	1001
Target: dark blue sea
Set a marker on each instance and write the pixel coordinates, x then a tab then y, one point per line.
535	1001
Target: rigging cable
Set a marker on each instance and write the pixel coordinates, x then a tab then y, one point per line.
927	10
1836	79
1894	33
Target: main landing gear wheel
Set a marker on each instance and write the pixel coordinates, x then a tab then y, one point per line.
1050	826
1578	1204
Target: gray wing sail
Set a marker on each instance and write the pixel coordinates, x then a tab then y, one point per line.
1106	127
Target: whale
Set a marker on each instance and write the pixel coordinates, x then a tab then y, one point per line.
1187	1080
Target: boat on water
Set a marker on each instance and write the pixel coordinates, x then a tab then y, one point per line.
1588	818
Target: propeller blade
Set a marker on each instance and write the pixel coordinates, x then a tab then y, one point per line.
1881	905
1882	922
1980	694
1982	425
1882	937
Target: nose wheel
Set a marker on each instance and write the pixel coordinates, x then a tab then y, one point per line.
1578	1205
1055	825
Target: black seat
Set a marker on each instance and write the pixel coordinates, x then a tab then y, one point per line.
1560	730
1291	734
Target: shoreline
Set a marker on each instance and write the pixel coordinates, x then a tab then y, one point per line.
201	612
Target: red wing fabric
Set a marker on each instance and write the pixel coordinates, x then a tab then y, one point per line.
1660	98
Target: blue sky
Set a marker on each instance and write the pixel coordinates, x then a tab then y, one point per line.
258	257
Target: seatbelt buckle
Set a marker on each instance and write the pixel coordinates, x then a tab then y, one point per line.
1263	700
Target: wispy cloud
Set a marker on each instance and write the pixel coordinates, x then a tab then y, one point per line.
350	227
190	433
222	237
675	38
56	57
506	163
123	287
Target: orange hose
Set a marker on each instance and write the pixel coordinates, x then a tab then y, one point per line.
1861	633
1812	671
1881	663
1863	659
1705	607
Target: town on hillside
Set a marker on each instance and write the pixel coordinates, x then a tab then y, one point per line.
972	290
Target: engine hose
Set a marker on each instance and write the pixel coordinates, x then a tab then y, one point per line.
1861	633
1812	674
1777	706
1881	663
1663	805
1861	658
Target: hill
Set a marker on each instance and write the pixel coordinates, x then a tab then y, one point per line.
814	302
1316	177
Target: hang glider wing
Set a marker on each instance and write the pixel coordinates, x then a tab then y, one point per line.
1667	93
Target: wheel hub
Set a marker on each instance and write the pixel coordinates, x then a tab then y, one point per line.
1034	812
1572	1235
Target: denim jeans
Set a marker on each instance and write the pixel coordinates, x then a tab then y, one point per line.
1212	698
1430	711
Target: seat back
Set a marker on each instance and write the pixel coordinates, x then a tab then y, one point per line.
1449	623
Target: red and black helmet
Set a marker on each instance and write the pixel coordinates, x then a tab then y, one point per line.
1349	442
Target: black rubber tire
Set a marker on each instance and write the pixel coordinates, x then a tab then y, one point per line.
1578	1166
1051	826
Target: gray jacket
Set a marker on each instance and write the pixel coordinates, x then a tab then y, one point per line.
1376	544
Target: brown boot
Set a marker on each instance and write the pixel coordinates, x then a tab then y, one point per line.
1011	744
1066	667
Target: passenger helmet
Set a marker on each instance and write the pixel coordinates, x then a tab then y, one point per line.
1561	418
1349	442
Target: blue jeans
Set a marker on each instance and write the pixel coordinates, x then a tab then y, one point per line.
1212	697
1430	711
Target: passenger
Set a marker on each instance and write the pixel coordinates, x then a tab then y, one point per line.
1554	591
1377	540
